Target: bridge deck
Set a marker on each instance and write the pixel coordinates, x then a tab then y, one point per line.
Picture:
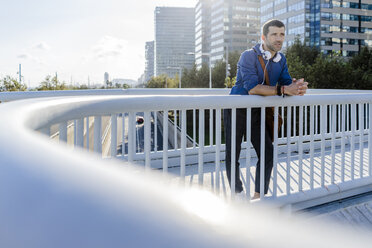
209	174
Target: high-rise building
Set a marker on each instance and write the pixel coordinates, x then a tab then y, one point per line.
202	32
331	25
235	26
149	56
174	39
106	78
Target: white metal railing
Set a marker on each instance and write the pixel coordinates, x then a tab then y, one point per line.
328	122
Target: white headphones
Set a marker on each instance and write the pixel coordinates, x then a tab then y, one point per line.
267	55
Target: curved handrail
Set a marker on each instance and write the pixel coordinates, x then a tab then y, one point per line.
52	197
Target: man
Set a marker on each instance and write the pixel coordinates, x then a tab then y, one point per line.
250	80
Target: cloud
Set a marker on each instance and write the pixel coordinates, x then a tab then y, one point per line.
24	56
27	56
109	46
41	46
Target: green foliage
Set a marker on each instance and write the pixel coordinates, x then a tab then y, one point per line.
230	82
52	83
307	55
11	84
163	81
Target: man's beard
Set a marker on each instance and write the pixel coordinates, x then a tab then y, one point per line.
272	48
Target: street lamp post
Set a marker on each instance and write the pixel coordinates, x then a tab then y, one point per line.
210	65
180	74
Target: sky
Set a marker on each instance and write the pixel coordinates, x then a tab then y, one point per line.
77	39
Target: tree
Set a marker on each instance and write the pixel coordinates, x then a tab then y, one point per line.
362	68
219	74
50	83
306	54
162	81
11	84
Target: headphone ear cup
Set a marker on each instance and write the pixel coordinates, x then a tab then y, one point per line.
267	55
277	58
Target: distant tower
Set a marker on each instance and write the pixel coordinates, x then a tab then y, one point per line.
106	78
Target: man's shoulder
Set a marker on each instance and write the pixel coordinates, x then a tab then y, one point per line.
248	54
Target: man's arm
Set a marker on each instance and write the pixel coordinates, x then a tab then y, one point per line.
297	87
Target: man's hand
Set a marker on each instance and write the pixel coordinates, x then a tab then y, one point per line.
296	88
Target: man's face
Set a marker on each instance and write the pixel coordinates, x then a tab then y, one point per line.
274	39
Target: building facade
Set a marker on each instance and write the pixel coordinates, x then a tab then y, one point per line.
202	32
330	25
149	64
174	39
235	26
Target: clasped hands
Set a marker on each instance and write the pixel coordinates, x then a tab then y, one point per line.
296	88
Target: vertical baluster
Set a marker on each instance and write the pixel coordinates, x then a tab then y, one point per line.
233	151
312	146
316	119
131	136
183	143
123	134
294	121
248	156
63	131
300	146
175	130
114	135
262	154
282	110
343	121
288	176
275	153
306	120
323	131
352	147
211	127
218	149
147	140
97	134
333	146
80	133
194	128
370	139
201	146
87	132
75	133
361	136
155	131
165	141
339	117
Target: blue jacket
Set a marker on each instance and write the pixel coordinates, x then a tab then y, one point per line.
250	72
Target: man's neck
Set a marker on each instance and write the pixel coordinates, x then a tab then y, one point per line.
267	49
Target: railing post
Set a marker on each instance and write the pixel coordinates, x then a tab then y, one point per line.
262	154
165	141
97	134
333	147
183	143
201	146
248	157
123	134
155	131
147	140
288	174
233	151
63	131
343	121
361	134
370	139
312	146
218	148
352	147
131	136
300	147
275	155
87	132
114	133
323	131
80	133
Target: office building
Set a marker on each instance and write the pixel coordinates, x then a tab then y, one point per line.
235	26
202	32
149	56
174	39
336	25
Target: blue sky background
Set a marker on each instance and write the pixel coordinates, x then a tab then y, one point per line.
77	38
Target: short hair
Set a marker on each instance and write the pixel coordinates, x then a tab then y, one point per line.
271	23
